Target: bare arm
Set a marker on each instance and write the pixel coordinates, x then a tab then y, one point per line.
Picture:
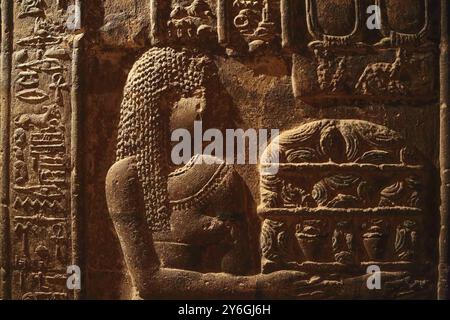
125	205
153	282
126	209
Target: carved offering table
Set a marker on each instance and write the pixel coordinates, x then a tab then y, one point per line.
345	196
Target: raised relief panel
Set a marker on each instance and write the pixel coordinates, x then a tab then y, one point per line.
40	184
343	195
192	22
388	55
324	25
239	25
412	26
342	189
346	195
256	24
336	196
31	8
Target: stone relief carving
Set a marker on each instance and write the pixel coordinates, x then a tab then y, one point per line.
243	26
395	67
347	194
310	237
406	240
318	33
330	170
400	35
194	21
374	239
30	8
258	22
157	231
208	223
40	152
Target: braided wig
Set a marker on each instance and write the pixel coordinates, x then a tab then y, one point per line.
159	77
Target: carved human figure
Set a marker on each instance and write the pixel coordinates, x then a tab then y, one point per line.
185	232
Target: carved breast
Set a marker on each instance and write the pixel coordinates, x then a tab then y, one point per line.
193	184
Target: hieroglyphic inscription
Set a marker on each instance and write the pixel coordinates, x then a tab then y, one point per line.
244	26
348	60
257	22
40	151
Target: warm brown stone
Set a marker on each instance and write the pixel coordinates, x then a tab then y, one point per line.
362	150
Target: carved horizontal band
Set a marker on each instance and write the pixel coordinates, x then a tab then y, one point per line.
281	213
300	168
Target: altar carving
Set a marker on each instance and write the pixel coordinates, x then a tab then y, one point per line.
347	194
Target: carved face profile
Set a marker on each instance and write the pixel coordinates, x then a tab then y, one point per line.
163	78
187	110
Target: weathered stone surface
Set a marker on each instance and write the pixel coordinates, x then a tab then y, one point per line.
88	105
